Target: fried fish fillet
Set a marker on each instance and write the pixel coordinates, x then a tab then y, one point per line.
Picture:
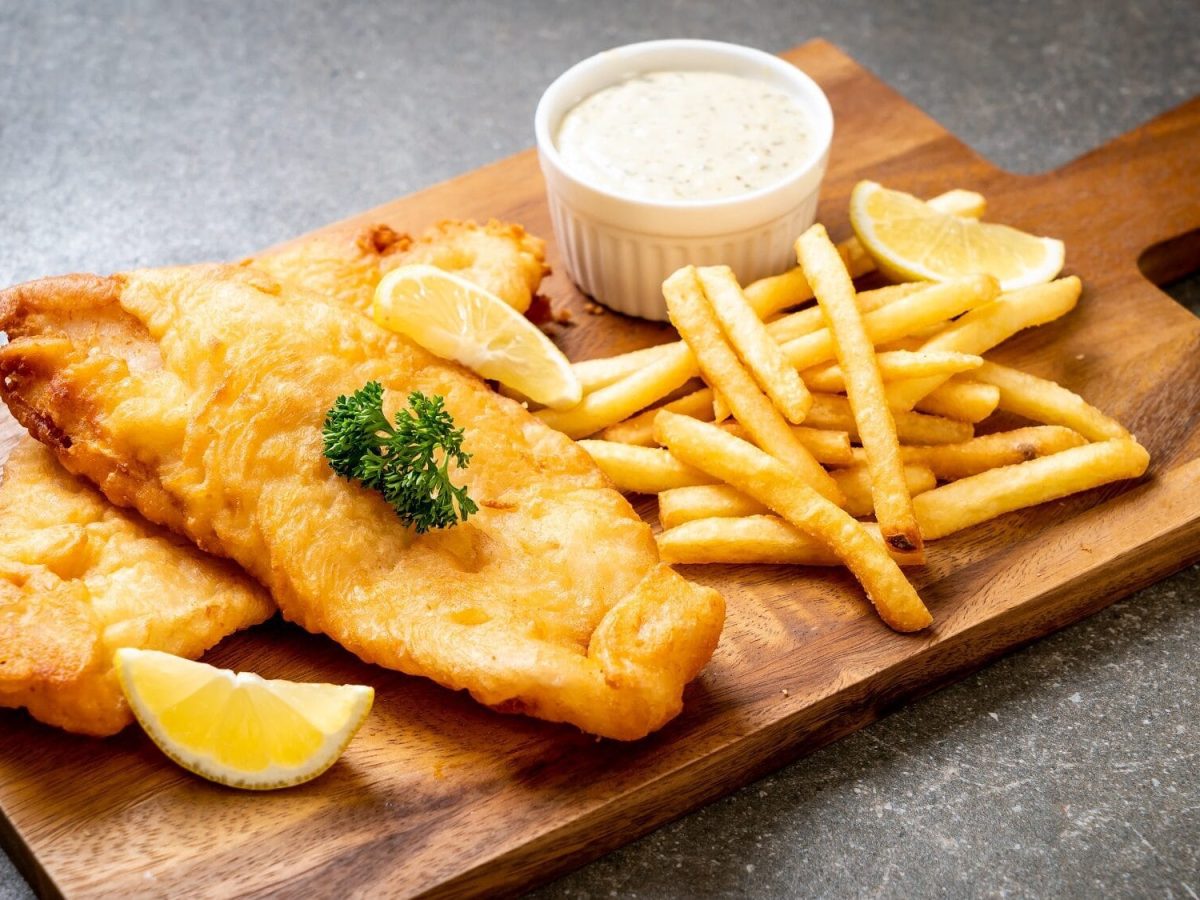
500	257
80	578
196	395
343	267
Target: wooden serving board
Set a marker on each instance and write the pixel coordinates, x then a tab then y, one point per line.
440	796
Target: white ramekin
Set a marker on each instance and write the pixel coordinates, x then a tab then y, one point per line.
618	248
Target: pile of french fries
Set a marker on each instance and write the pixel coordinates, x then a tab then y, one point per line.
861	405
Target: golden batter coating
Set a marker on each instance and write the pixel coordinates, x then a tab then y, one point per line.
342	267
197	395
80	578
500	257
345	266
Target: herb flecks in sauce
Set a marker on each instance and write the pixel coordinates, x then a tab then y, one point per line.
685	136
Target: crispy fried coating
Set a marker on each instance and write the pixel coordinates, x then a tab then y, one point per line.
345	267
196	395
500	257
65	552
80	578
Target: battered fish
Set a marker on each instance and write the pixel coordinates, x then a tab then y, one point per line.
196	395
343	267
500	257
80	578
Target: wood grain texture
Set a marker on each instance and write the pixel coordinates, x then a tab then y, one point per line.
441	797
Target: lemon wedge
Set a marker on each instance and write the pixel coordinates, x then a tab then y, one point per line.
239	729
455	319
911	241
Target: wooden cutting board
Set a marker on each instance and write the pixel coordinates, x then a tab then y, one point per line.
439	796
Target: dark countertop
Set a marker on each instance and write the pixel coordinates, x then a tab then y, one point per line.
153	133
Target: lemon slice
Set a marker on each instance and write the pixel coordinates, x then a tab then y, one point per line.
458	320
239	729
911	241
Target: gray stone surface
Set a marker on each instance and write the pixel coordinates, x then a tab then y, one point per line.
12	886
151	133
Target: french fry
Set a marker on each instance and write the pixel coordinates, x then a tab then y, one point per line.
758	539
929	306
855	483
977	498
1045	401
697	324
810	319
829	447
622	399
767	480
833	411
864	388
642	470
909	343
639	429
705	501
594	374
967	401
776	292
720	407
769	295
921	335
895	365
754	346
710	501
983	328
949	462
753	540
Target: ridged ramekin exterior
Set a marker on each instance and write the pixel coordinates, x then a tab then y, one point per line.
625	270
620	249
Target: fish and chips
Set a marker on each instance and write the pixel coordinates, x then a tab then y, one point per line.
181	411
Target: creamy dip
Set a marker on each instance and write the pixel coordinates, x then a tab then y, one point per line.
685	136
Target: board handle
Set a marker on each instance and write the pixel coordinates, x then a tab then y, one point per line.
1143	188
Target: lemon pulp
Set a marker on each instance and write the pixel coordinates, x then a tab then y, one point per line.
236	728
455	319
911	241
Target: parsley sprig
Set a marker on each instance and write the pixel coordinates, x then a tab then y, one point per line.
409	462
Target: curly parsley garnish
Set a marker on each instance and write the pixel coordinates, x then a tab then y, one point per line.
408	463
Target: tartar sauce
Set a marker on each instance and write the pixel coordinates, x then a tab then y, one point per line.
685	136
